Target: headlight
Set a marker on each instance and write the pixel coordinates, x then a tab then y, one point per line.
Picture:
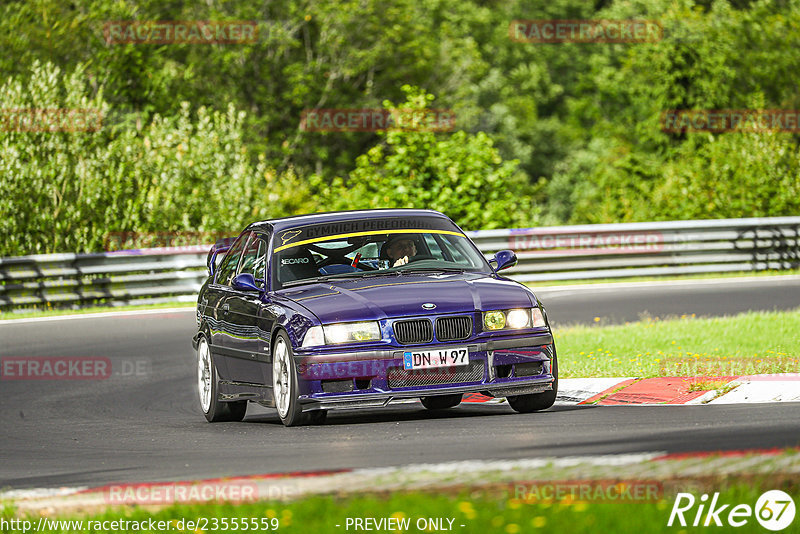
331	334
515	319
494	320
518	318
351	332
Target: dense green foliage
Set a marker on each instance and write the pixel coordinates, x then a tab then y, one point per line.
206	137
67	190
461	174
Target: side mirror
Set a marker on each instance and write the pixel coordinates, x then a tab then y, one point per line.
245	282
503	259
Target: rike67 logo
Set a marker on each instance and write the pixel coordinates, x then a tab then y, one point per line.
774	510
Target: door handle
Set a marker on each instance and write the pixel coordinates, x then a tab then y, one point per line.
226	307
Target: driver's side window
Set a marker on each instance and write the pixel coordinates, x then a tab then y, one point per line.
254	259
227	270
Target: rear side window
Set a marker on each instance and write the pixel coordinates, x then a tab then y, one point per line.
227	270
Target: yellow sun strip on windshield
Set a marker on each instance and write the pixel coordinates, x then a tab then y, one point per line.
372	232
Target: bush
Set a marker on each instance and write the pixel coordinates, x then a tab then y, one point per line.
459	174
66	191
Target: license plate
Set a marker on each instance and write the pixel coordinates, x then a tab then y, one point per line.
427	359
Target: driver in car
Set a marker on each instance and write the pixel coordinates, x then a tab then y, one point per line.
399	248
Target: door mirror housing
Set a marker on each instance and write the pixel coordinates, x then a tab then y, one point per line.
245	282
503	259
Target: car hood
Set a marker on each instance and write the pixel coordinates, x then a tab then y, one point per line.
403	296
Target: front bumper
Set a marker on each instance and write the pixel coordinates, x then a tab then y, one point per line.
375	378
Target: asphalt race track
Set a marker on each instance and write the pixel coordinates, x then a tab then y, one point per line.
142	423
724	296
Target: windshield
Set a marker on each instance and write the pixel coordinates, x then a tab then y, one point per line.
303	255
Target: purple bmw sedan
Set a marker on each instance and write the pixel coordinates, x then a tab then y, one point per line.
357	309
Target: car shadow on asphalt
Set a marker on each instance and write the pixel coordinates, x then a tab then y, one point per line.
414	413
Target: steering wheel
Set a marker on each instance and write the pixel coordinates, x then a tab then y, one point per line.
343	260
421	257
418	257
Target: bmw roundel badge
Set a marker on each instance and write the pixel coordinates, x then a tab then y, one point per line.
428	306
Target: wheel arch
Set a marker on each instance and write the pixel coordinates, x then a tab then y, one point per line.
276	330
294	321
205	331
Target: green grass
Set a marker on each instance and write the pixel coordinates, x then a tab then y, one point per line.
501	510
698	276
750	343
93	309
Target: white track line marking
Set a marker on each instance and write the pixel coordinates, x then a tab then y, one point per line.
97	315
635	285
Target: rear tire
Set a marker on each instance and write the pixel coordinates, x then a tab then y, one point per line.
208	389
537	401
441	402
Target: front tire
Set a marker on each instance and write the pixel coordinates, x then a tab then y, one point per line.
284	382
441	402
537	401
208	389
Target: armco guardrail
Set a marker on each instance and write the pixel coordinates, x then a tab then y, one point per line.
648	249
545	254
142	276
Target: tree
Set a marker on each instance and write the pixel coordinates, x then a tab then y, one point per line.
460	174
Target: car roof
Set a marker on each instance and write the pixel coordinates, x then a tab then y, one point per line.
337	216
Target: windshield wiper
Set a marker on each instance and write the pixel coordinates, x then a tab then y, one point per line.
411	270
333	277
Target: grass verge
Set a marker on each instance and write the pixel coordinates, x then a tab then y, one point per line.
93	309
749	343
509	509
